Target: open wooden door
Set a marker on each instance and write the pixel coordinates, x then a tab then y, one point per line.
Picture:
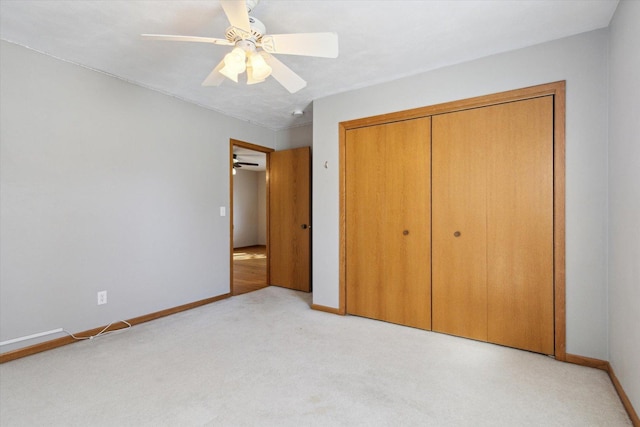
290	219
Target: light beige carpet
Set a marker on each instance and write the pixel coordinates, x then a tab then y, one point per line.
265	358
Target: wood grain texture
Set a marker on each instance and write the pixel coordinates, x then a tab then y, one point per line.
519	143
555	89
249	269
388	222
559	198
460	205
493	182
289	209
342	253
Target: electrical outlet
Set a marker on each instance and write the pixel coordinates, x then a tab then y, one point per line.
102	297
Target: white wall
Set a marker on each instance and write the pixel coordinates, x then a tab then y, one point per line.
106	186
624	198
582	62
245	208
300	136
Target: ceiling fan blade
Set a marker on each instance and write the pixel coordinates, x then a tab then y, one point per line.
236	11
283	74
308	44
224	42
214	78
237	162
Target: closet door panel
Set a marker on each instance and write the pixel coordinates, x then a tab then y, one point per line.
387	194
520	224
459	260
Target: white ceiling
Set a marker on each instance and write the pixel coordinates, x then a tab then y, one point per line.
379	41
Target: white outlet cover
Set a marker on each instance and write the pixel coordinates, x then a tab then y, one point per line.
102	297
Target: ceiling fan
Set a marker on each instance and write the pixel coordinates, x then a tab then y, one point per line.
253	48
238	164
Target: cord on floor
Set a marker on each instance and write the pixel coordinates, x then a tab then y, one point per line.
103	332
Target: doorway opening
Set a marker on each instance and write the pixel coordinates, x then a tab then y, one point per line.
248	170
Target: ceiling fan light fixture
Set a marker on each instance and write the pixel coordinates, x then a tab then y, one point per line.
251	80
234	64
247	33
260	70
225	71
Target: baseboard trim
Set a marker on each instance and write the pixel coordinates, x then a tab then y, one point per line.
624	398
606	366
59	342
588	362
327	309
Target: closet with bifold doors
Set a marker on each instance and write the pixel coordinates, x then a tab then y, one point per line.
388	229
452	218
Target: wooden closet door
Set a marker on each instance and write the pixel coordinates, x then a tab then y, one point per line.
493	184
387	209
520	225
459	202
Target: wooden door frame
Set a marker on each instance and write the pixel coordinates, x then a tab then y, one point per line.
557	90
261	149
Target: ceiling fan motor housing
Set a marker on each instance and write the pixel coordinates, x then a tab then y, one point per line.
258	30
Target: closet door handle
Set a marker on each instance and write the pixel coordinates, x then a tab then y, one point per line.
456	234
405	232
304	226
